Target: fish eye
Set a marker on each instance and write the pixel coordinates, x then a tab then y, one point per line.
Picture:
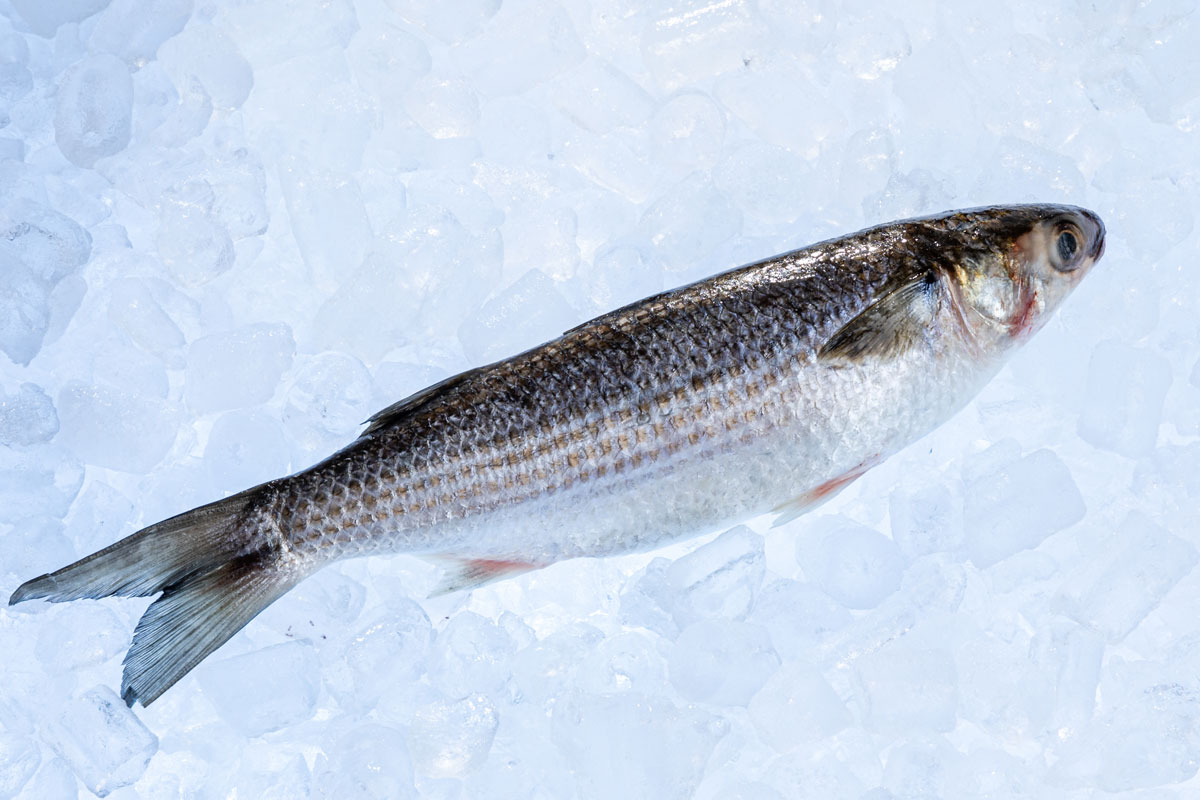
1066	252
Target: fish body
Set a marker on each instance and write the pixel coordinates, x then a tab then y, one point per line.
766	388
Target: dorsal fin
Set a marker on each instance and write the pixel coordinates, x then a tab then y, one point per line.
416	401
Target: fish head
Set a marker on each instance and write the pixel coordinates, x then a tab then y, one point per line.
1014	265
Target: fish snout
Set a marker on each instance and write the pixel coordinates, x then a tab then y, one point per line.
1094	229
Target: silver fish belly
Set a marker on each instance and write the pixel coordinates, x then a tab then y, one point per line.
769	387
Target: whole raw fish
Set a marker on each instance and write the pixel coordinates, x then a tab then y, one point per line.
768	387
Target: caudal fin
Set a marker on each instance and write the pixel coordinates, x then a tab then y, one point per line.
210	589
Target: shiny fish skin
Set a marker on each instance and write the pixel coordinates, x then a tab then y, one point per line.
768	387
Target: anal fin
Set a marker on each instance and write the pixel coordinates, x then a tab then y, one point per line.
470	573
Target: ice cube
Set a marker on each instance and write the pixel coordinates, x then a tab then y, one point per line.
246	448
193	246
797	706
41	480
471	655
238	368
781	104
369	761
94	111
620	275
1013	503
27	416
51	244
445	109
19	759
1123	405
389	652
722	663
524	45
46	18
328	219
202	52
133	308
132	30
543	669
927	520
687	133
688	221
24	310
106	745
797	615
528	312
768	183
451	25
15	78
718	579
328	400
905	687
1147	562
82	635
450	738
600	97
113	428
686	47
264	690
625	662
633	745
855	565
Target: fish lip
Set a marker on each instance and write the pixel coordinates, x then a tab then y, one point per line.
1097	248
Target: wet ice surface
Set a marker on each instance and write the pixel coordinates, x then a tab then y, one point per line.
232	231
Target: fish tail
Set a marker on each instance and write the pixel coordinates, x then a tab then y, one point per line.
211	587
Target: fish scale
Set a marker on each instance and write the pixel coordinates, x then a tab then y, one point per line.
767	388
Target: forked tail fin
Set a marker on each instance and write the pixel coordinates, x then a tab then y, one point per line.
210	589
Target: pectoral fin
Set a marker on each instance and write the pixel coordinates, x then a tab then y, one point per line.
897	319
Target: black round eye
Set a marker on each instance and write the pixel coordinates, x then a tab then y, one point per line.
1068	246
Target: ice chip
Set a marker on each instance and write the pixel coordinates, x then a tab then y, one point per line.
82	636
928	520
855	565
105	744
246	448
19	759
1126	387
542	670
722	663
388	652
328	219
94	110
238	368
27	416
264	690
797	706
133	308
625	662
781	104
451	738
1015	503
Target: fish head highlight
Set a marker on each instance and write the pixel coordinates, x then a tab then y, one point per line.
1014	265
